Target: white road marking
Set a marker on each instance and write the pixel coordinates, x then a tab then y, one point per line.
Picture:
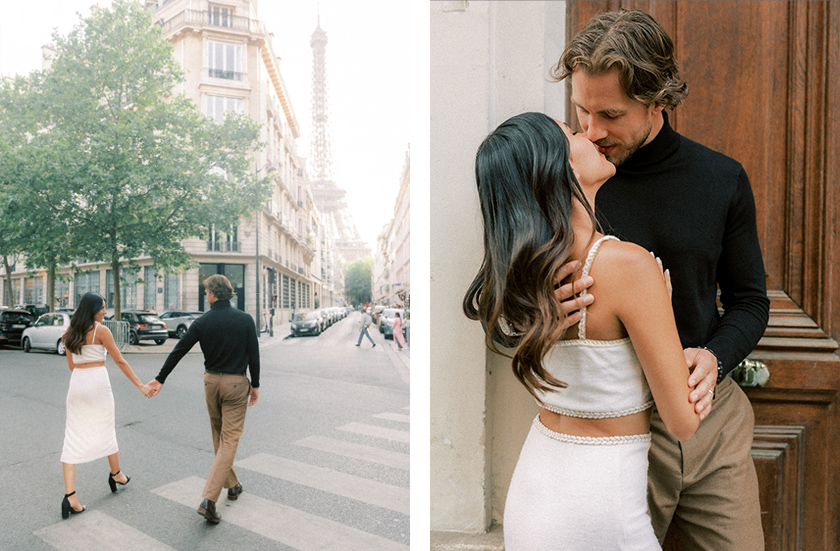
97	530
378	432
356	451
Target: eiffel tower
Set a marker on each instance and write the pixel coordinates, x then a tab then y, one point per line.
329	198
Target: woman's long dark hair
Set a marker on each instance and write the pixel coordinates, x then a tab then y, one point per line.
526	188
82	321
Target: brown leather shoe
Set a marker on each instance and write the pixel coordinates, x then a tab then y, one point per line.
207	509
233	493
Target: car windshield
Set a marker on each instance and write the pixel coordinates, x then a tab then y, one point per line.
312	315
299	317
15	317
389	313
148	318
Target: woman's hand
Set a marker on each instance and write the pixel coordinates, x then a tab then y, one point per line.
147	391
666	274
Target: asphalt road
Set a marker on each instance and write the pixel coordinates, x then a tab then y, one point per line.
324	459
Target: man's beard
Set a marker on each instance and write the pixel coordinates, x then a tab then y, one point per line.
618	158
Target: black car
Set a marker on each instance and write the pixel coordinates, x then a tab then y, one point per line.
145	326
12	324
308	323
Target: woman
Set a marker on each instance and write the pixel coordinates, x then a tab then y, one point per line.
90	433
581	479
398	334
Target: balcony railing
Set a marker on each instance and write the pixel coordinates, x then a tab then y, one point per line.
223	246
199	18
225	74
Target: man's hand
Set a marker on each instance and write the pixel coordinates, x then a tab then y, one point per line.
570	303
702	368
255	395
156	387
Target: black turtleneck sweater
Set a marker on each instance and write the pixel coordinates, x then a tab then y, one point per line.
693	207
228	340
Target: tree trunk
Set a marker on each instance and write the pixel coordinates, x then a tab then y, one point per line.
115	271
9	299
51	286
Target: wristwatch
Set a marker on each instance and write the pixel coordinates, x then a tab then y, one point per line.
720	371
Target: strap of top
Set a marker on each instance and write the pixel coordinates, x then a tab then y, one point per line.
586	267
95	325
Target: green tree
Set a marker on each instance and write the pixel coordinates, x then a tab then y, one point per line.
357	280
143	168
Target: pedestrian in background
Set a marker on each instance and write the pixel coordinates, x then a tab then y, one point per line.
228	339
398	334
89	433
364	323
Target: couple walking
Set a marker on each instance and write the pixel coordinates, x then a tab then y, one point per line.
638	427
229	342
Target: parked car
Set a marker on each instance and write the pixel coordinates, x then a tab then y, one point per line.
322	319
36	309
178	321
145	326
12	324
308	323
47	332
386	321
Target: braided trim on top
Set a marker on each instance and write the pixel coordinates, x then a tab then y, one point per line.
596	414
586	267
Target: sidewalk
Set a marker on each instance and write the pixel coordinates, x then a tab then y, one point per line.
149	347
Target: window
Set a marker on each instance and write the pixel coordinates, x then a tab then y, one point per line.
86	282
150	291
224	60
217	106
220	16
171	290
220	242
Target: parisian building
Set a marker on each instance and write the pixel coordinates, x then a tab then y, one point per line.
280	258
391	270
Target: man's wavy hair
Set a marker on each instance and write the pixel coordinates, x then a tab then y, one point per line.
638	46
220	286
526	189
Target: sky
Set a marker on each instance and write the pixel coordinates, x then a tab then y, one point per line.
368	82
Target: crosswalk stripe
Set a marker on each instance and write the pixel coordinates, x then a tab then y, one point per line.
356	451
281	523
97	530
328	480
378	432
394	417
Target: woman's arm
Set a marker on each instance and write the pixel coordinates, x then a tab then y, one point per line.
70	363
107	340
641	301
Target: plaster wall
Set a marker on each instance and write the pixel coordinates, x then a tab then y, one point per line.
489	60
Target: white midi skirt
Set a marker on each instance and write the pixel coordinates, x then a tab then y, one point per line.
571	493
90	432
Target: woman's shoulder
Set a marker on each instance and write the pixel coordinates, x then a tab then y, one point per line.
622	261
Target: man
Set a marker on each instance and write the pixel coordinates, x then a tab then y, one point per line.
693	208
364	323
228	340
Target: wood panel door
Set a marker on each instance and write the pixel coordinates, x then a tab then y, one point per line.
764	88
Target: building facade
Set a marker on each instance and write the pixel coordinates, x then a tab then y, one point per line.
273	257
391	270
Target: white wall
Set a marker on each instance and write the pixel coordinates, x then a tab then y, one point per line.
488	62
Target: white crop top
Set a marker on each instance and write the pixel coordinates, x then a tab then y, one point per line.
604	378
91	352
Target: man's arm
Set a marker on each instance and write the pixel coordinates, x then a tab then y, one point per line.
184	345
741	278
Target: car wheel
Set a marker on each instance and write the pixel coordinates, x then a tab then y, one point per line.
181	332
317	332
132	338
160	341
27	346
62	351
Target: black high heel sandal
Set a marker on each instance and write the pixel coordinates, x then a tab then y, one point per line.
67	509
113	483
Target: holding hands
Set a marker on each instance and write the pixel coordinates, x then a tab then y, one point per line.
151	388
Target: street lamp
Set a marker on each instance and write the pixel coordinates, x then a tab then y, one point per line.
269	170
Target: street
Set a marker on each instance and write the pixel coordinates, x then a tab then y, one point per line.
323	460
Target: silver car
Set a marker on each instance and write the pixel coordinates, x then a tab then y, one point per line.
179	321
46	333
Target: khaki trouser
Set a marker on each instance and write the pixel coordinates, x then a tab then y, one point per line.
227	403
708	486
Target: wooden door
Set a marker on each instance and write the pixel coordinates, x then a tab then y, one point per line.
764	88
